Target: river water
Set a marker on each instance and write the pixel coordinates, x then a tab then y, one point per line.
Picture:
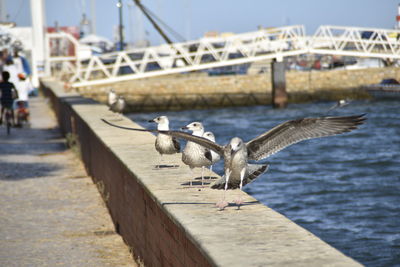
345	189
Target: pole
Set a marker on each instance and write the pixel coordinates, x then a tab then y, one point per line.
38	51
121	27
398	17
279	95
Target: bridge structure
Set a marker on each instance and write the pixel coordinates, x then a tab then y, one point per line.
83	69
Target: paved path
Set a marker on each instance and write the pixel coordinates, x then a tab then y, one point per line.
51	213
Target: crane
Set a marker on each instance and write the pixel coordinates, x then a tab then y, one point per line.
151	17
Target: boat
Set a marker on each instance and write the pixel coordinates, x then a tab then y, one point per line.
386	89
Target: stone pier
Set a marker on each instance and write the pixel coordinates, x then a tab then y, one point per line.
166	223
199	91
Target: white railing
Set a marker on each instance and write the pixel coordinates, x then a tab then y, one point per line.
205	53
195	55
352	41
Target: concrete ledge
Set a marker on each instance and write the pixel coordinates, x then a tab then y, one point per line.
166	224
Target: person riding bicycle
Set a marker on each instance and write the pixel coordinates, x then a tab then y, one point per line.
24	88
7	95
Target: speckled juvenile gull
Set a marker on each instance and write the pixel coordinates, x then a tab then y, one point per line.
215	157
119	105
195	155
339	104
237	153
165	144
112	97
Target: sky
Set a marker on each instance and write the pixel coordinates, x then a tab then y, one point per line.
191	19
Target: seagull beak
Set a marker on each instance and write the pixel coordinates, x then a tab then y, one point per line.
231	149
151	120
184	128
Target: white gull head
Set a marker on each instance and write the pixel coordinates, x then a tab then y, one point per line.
196	127
236	144
162	123
112	97
209	135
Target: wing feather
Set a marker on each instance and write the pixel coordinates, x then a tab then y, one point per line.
177	145
294	131
195	139
178	134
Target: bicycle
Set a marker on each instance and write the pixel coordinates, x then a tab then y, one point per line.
9	119
22	114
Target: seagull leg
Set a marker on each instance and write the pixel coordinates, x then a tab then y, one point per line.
211	177
159	162
239	200
191	175
119	116
223	203
202	175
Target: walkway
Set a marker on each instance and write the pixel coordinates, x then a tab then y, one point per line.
51	213
220	51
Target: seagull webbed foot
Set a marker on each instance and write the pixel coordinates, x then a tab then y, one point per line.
221	205
239	201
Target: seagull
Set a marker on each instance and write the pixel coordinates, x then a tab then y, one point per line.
214	155
339	104
237	153
195	155
119	105
165	144
112	97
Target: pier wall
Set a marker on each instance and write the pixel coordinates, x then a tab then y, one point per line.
166	223
202	91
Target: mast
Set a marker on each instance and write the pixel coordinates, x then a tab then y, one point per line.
155	25
160	31
121	26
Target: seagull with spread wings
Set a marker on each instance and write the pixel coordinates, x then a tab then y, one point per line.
237	153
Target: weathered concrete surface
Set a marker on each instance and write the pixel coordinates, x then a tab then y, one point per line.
170	221
51	213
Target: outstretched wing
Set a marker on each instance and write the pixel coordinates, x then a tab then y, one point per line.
294	131
177	145
178	134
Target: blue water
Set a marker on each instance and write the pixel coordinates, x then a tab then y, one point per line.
345	189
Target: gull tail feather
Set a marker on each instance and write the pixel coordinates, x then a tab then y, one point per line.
219	184
255	170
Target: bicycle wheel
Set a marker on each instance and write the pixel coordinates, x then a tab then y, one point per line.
8	127
8	122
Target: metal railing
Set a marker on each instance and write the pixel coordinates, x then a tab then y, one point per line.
83	70
358	42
